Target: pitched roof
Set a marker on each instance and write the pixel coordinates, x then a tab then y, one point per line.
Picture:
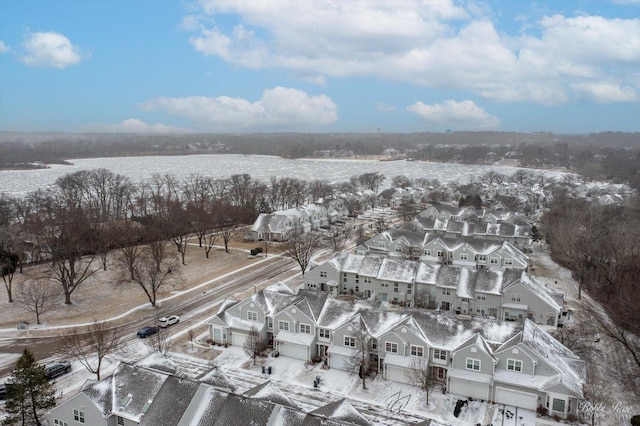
170	403
267	391
571	369
342	410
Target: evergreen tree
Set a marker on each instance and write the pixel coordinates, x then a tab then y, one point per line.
28	392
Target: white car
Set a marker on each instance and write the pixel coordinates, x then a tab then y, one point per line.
167	321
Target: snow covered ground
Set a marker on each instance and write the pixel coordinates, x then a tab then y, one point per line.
383	402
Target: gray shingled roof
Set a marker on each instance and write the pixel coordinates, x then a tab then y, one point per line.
170	403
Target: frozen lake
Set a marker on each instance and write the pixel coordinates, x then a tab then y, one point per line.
261	167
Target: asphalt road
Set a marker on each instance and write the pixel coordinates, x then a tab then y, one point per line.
191	309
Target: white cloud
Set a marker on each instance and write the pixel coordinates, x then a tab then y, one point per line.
279	108
441	44
3	47
50	50
133	125
606	92
465	115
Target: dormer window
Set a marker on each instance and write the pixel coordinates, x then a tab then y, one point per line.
514	365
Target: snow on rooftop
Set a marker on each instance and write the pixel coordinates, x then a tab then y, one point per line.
158	361
397	270
466	287
270	392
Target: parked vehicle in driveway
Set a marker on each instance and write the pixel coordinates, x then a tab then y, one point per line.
167	321
56	369
147	331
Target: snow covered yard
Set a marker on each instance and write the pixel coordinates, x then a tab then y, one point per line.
512	416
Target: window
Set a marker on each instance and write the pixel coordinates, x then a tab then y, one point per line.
514	365
464	256
57	422
383	297
120	421
305	328
473	364
367	280
408	288
446	291
439	253
357	278
381	244
391	347
384	284
558	405
374	344
417	350
252	316
323	274
482	258
493	260
481	297
283	325
324	333
515	297
270	322
344	277
427	252
439	354
395	287
398	249
508	261
349	341
78	416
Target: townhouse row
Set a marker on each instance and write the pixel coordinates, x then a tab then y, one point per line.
425	246
508	294
144	394
512	363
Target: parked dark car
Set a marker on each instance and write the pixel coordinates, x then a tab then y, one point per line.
3	391
56	369
147	331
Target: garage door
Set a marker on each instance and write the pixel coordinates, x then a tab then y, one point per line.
516	398
238	339
469	389
339	362
395	374
293	351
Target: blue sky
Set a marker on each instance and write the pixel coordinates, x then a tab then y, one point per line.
161	66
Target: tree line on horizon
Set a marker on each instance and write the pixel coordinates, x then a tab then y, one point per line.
607	156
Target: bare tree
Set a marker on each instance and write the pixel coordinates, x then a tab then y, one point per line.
226	220
420	374
302	246
159	341
623	339
151	279
128	257
337	237
596	395
209	242
37	296
92	344
68	237
253	344
361	342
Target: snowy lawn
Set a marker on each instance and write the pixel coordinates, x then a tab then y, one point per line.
512	416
